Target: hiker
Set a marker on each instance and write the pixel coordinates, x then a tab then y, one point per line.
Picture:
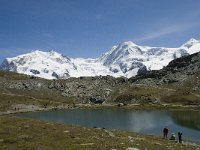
173	137
179	137
165	132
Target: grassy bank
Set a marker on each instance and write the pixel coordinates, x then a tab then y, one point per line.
17	133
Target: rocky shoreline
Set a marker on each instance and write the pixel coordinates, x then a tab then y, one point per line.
21	108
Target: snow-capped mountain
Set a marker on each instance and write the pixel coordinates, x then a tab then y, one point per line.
52	65
126	59
42	64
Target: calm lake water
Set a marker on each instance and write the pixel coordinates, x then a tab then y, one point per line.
148	122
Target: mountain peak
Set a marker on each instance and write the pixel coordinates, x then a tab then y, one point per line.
192	40
37	51
50	53
128	43
190	43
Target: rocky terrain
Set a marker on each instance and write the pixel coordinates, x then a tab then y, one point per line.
177	83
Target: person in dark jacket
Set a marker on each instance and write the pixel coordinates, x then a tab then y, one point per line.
179	137
165	132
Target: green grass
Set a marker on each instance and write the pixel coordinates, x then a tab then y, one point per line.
171	94
8	102
126	93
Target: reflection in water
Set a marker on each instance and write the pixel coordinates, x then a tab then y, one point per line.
140	121
187	119
148	122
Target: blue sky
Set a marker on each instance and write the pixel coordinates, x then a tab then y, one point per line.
88	28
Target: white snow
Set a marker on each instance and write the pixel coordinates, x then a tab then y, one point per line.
124	59
89	67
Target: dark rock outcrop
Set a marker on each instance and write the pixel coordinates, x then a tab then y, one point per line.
34	71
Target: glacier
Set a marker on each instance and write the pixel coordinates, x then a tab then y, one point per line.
124	60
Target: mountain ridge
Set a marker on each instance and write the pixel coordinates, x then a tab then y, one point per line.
177	83
127	59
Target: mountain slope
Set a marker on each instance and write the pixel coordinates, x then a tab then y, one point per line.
179	82
126	59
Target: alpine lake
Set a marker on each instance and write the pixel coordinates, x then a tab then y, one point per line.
149	122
